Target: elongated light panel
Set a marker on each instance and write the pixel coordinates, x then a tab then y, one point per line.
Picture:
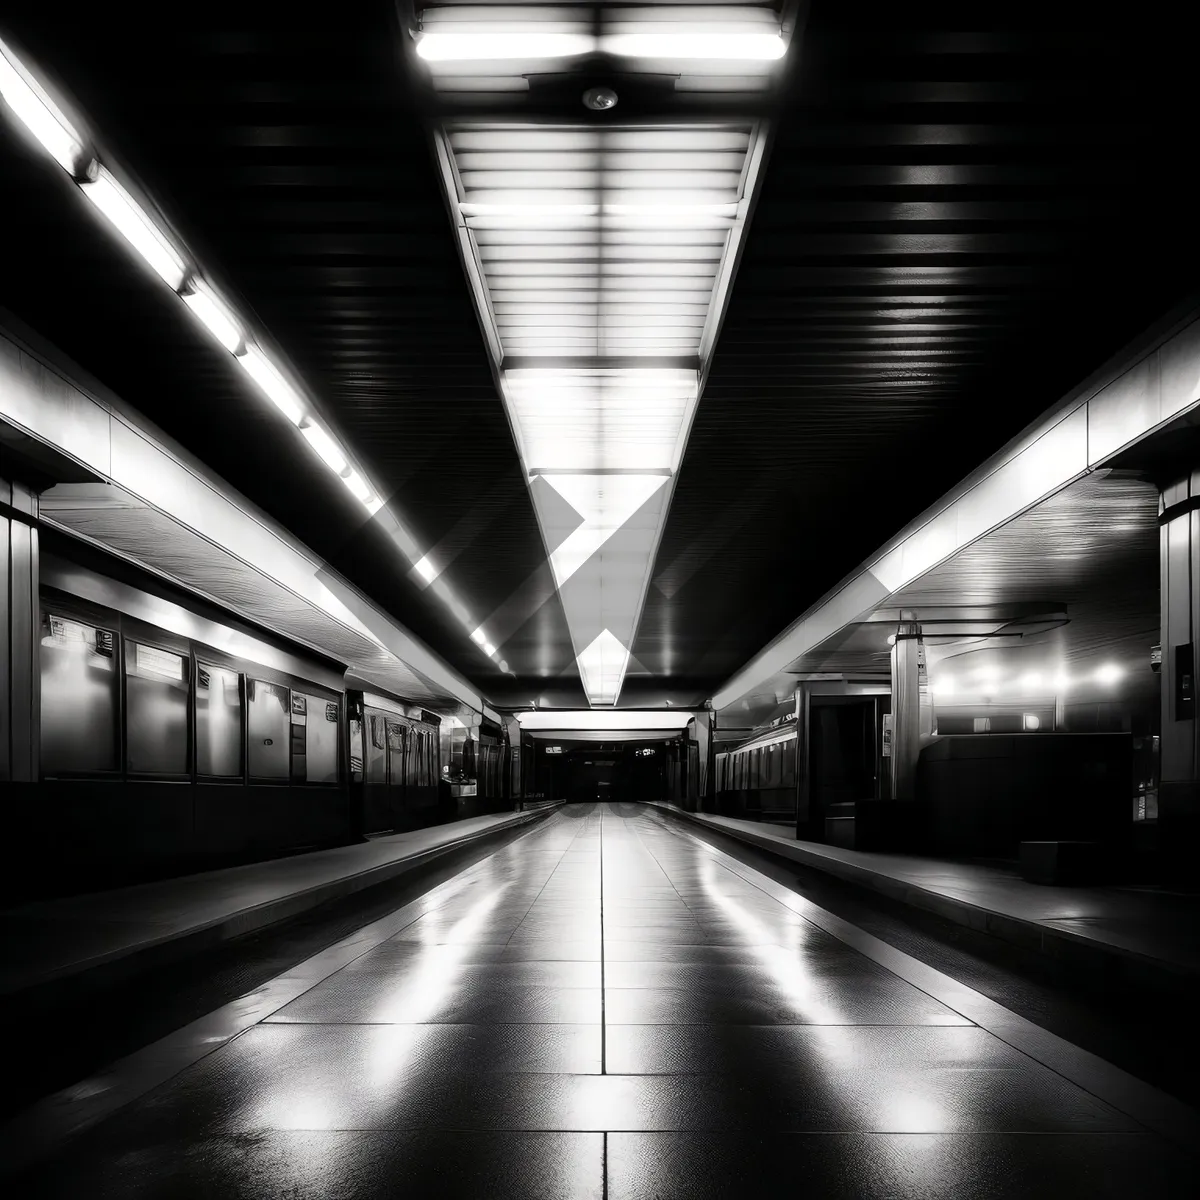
600	258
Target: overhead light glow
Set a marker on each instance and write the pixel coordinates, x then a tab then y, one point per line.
602	719
489	649
135	226
483	47
602	668
1062	681
479	637
1109	673
1031	680
715	45
591	249
213	315
325	448
943	687
358	487
272	385
38	113
426	569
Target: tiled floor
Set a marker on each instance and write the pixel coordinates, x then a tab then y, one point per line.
605	1009
1154	925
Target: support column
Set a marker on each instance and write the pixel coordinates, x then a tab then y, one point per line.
912	708
20	699
1179	598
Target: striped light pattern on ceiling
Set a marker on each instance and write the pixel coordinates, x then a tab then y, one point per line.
600	258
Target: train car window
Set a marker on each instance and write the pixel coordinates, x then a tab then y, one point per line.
268	751
772	766
376	748
79	698
156	710
395	745
321	723
356	750
218	722
412	763
789	763
434	748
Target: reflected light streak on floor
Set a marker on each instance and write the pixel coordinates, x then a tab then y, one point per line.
740	1050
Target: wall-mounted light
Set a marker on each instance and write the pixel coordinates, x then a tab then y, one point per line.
136	226
141	230
38	113
212	313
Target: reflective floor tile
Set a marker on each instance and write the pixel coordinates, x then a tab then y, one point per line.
453	1165
399	955
653	1166
536	949
772	970
419	969
440	997
618	950
759	1050
859	1003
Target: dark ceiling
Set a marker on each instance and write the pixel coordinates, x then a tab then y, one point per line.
967	208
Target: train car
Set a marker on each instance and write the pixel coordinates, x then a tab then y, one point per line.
757	779
395	764
175	737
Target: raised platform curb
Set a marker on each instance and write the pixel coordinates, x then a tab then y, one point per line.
1108	959
300	883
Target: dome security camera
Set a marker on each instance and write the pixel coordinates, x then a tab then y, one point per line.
598	99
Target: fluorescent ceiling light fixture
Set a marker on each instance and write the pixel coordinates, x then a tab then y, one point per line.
358	487
1032	680
479	637
602	668
426	569
1109	673
489	649
601	720
325	448
713	45
213	315
135	226
483	47
272	385
38	113
1062	681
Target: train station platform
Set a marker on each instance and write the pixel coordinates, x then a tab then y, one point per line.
1145	934
607	1006
92	938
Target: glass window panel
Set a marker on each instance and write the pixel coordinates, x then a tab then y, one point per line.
269	729
789	763
356	750
412	766
395	746
218	722
376	748
79	697
156	710
319	742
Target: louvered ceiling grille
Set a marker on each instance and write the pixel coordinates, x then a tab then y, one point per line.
600	259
